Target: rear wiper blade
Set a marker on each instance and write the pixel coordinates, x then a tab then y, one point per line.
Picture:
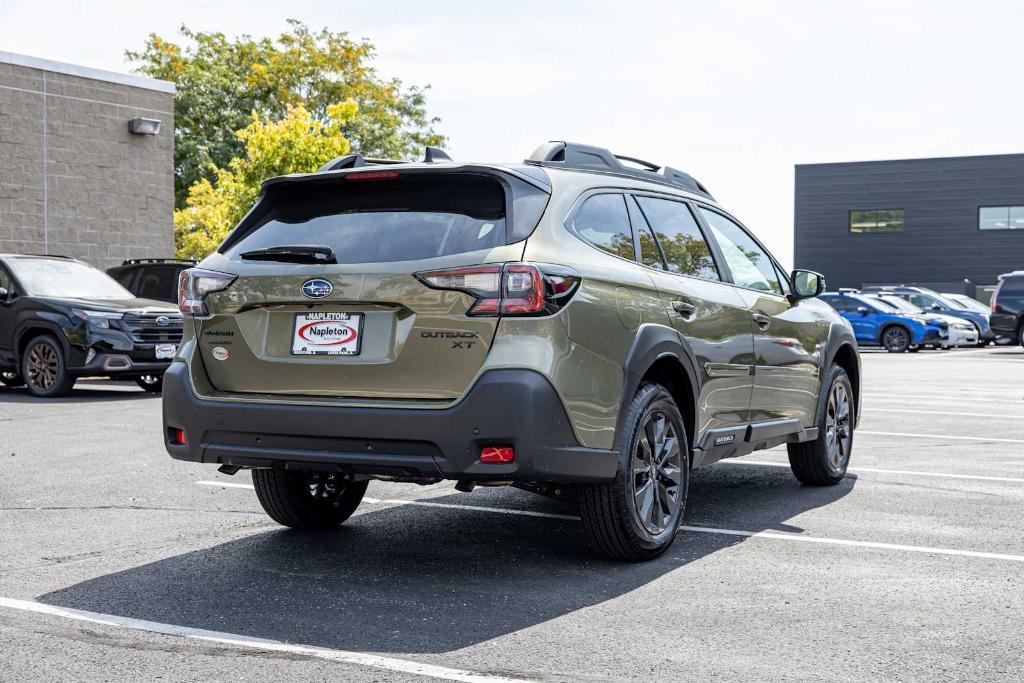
300	253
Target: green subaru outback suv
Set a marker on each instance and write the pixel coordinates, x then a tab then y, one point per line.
581	323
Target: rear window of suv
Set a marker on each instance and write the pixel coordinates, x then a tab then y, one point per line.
409	217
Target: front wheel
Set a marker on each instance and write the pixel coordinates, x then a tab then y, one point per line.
307	500
823	462
896	339
43	368
636	516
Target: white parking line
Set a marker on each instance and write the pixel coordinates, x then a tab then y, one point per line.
342	656
876	470
727	532
1001	416
940	398
226	484
941	437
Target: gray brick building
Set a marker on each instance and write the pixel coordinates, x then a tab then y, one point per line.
73	179
931	222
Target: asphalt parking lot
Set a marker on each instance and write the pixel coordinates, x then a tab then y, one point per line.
117	563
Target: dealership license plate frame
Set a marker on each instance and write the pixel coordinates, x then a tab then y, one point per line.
324	316
165	351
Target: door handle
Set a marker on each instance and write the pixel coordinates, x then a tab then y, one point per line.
761	320
684	308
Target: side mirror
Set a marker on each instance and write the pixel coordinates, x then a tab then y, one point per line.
863	310
806	284
4	295
936	307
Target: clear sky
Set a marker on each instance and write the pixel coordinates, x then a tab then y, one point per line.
733	92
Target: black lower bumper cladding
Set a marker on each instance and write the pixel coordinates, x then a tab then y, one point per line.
516	408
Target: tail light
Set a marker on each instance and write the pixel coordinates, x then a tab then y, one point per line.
193	286
510	289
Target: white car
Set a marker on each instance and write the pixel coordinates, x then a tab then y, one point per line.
961	332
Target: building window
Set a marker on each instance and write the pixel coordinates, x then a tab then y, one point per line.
1001	218
876	220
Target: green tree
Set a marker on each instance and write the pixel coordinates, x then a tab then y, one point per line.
298	143
221	82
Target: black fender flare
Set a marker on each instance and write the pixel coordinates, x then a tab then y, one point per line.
652	343
840	336
31	326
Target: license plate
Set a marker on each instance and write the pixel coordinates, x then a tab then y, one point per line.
327	334
165	351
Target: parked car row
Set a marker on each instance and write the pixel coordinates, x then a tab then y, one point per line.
901	319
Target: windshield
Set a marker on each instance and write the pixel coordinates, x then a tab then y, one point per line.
900	304
967	303
65	279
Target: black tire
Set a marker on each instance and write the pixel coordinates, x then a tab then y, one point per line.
1020	332
815	462
44	369
11	379
612	516
896	339
151	383
307	500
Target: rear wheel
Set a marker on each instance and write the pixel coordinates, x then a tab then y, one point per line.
151	383
896	339
44	370
823	462
636	516
307	500
11	379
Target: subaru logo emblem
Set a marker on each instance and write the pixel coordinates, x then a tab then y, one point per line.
163	321
316	288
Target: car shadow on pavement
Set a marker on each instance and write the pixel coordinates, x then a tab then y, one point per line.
413	579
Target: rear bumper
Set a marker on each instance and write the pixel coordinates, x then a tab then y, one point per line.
1004	325
505	407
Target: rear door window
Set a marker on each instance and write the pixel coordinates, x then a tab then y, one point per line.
603	221
407	217
686	251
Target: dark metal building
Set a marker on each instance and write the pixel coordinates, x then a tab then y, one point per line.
928	222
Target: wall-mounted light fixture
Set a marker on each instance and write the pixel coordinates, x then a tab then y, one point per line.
141	126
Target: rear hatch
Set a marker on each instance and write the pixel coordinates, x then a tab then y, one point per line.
326	302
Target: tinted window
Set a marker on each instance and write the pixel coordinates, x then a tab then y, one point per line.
876	220
841	303
407	218
750	264
686	251
159	283
604	222
125	277
922	301
5	280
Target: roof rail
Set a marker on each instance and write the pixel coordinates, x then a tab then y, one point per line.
431	155
848	290
558	154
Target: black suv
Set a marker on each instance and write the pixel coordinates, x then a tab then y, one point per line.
151	278
1008	307
61	319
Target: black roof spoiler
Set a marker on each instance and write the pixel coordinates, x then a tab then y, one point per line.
557	154
432	155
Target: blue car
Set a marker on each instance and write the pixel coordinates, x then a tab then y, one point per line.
930	300
875	325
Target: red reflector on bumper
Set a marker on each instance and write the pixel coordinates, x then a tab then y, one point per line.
178	437
497	454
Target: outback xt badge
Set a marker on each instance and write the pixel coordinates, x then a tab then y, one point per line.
616	328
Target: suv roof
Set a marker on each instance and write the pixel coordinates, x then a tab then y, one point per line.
555	154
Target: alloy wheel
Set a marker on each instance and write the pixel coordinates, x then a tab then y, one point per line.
656	473
43	366
838	426
896	339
